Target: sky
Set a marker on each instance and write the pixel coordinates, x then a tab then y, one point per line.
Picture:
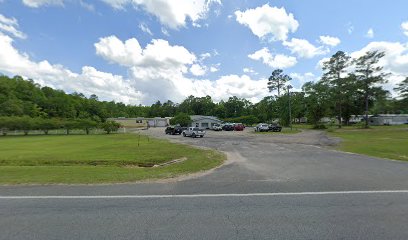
141	51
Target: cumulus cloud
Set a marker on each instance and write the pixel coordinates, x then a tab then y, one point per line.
268	21
40	3
10	25
395	60
89	81
198	70
215	68
404	27
274	61
172	13
303	48
161	71
303	78
370	33
329	41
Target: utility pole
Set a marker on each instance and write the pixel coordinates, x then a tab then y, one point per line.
290	112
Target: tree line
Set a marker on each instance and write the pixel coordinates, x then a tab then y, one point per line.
347	87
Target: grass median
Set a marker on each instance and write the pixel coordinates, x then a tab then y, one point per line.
379	141
90	159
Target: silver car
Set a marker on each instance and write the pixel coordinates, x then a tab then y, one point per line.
262	127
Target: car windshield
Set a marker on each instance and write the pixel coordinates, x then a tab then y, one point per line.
196	129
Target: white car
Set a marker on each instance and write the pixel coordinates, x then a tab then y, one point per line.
217	127
193	132
262	127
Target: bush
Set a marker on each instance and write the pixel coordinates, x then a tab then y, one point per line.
110	126
319	126
182	119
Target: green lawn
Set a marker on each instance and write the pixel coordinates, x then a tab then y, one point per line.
96	158
380	141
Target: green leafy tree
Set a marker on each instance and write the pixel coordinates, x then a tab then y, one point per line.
110	126
86	124
316	99
46	124
182	119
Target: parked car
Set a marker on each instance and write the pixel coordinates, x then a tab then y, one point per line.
174	130
274	128
193	132
217	127
262	127
239	127
228	127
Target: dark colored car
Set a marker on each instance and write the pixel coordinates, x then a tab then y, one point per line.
228	127
239	127
174	130
274	128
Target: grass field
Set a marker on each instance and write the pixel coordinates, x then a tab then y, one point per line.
96	159
379	141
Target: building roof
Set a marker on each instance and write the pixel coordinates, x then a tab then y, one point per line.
196	118
391	115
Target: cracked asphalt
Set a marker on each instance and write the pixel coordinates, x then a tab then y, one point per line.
275	163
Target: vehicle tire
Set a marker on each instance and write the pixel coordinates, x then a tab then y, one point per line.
201	136
184	134
193	135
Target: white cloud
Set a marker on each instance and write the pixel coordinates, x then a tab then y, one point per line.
277	61
172	13
215	68
370	33
303	78
40	3
304	48
395	60
250	71
160	71
329	41
90	81
204	56
268	21
87	6
198	70
10	25
157	72
165	32
145	29
404	27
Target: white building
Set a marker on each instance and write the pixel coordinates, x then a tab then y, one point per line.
204	122
388	119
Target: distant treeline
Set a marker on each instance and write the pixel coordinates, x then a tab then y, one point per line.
331	96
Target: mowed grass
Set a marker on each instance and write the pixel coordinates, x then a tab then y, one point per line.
97	159
379	141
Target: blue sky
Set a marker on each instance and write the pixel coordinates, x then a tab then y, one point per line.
141	51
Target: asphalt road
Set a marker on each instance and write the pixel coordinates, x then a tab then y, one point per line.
272	187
